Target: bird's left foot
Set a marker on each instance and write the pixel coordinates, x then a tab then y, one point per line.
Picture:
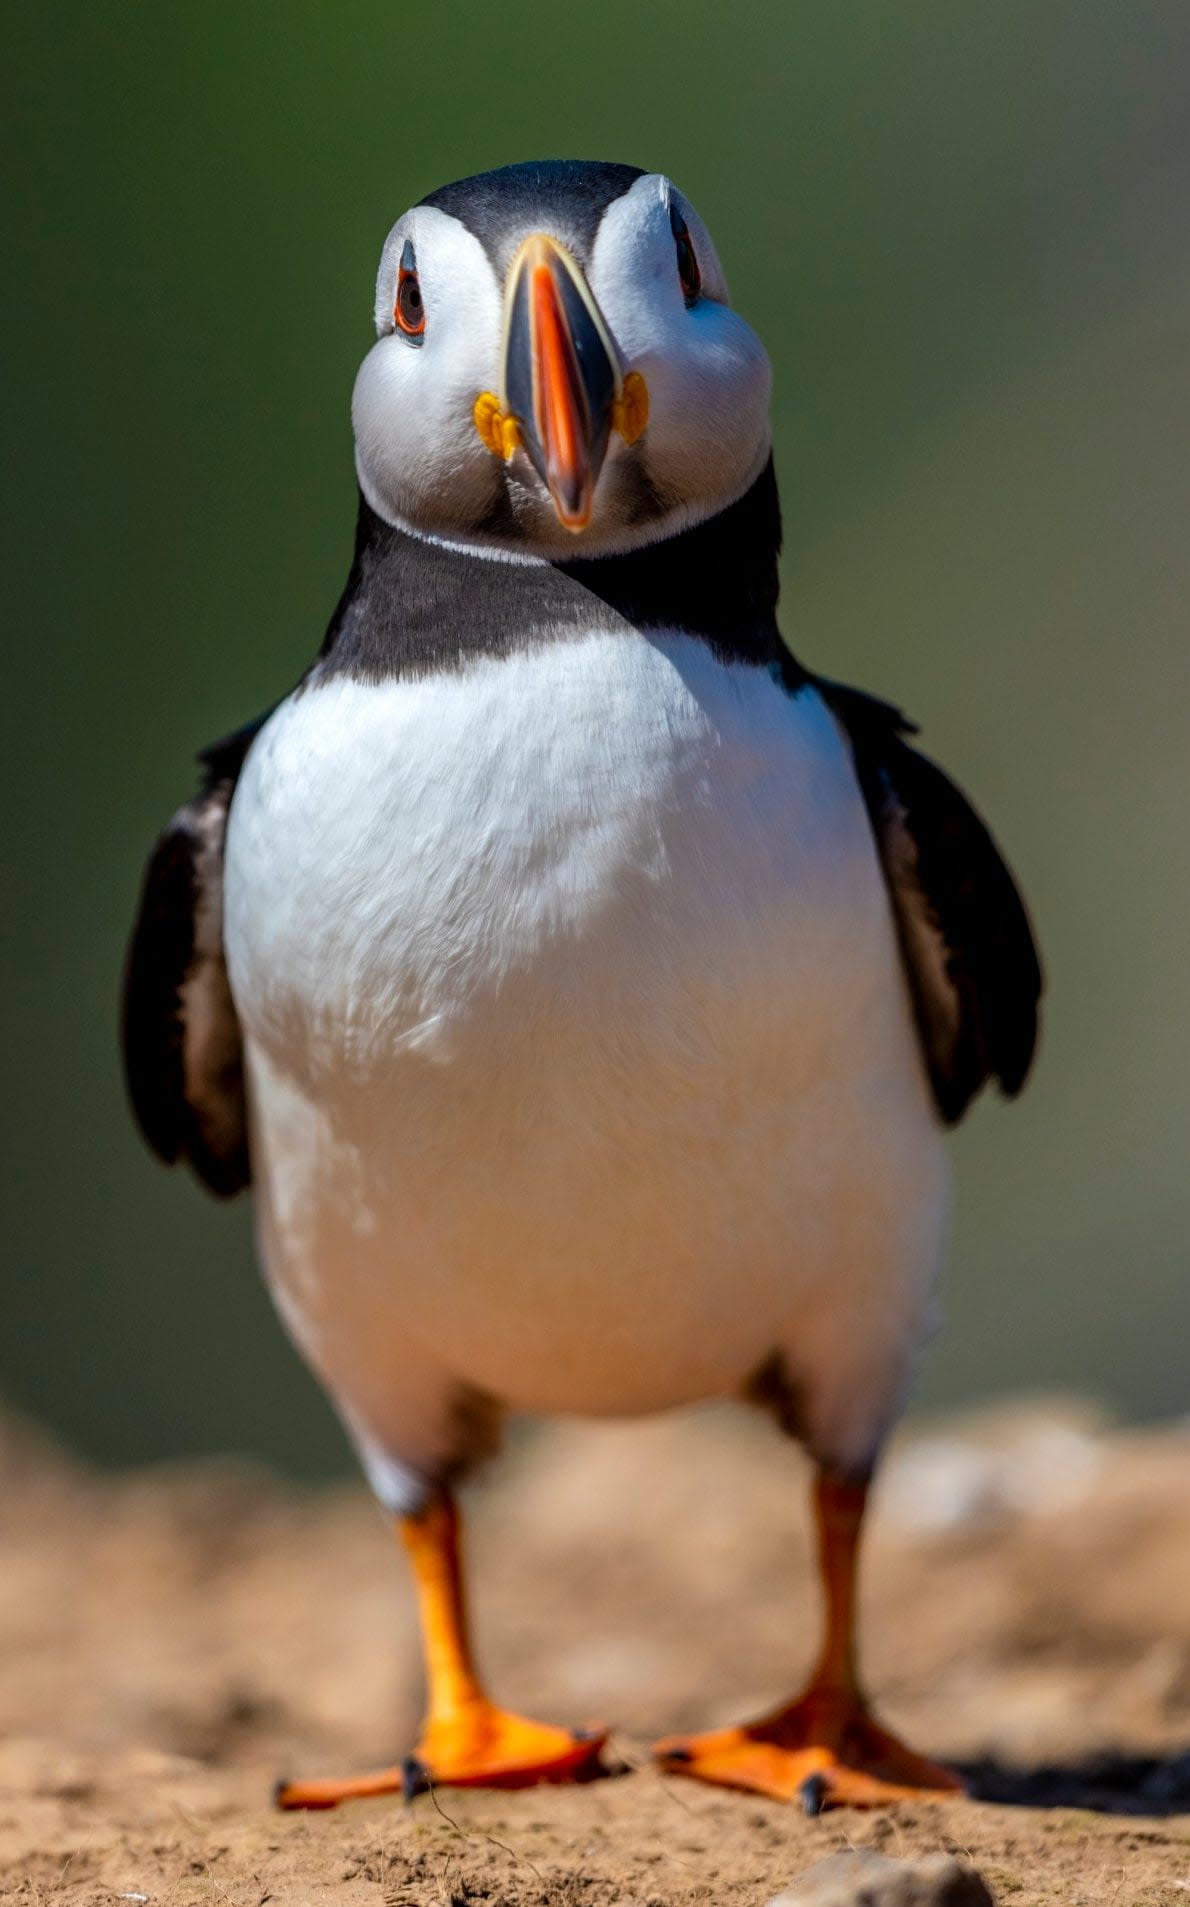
479	1746
824	1750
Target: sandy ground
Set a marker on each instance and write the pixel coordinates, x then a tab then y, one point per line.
171	1641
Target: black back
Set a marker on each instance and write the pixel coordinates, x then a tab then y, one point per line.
183	1055
966	944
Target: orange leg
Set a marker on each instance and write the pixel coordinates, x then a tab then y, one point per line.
825	1747
466	1741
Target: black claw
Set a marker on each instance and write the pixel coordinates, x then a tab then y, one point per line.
678	1754
586	1734
415	1778
279	1788
812	1794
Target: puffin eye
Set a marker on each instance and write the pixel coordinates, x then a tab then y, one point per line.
409	313
688	272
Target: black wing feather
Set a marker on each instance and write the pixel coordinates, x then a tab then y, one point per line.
183	1058
968	949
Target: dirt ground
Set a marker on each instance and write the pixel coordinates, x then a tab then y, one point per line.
171	1641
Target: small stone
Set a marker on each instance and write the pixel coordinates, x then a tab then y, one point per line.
867	1879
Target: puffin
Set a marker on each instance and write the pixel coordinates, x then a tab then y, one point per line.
583	985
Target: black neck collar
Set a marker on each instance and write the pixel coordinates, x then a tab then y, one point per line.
411	606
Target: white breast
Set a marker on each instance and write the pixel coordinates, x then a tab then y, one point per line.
581	1061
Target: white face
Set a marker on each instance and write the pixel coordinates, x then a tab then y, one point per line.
422	461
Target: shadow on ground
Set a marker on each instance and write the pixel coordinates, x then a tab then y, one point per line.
1107	1784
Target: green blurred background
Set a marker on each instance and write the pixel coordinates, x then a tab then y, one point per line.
961	229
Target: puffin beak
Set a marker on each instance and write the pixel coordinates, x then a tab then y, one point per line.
562	376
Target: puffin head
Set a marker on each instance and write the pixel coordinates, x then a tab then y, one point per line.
557	370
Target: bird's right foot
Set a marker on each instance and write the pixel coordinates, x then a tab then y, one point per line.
479	1746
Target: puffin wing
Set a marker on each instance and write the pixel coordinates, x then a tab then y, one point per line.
965	939
183	1058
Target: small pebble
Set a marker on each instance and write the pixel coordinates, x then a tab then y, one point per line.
867	1879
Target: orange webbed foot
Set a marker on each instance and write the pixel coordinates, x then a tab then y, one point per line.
486	1747
826	1751
480	1746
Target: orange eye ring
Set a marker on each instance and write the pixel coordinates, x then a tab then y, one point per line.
409	313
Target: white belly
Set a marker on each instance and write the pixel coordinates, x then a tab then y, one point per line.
581	1064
